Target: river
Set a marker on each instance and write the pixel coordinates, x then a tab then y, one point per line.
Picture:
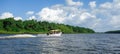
66	44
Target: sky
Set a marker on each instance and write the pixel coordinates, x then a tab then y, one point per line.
99	15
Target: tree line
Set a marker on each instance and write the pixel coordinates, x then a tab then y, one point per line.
9	25
115	31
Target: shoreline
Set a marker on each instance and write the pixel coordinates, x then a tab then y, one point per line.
6	32
22	32
28	32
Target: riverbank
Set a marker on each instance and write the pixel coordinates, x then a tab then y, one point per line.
6	32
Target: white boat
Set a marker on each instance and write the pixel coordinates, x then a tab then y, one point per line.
56	32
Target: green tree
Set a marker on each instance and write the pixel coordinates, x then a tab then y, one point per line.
30	26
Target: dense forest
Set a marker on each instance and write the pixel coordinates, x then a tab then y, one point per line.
117	31
11	26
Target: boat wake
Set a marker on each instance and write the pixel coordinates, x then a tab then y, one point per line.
46	36
18	36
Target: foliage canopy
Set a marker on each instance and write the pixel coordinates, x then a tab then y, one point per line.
33	26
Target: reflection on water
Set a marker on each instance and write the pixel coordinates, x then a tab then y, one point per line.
66	44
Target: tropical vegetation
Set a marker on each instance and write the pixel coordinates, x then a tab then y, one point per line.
11	26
